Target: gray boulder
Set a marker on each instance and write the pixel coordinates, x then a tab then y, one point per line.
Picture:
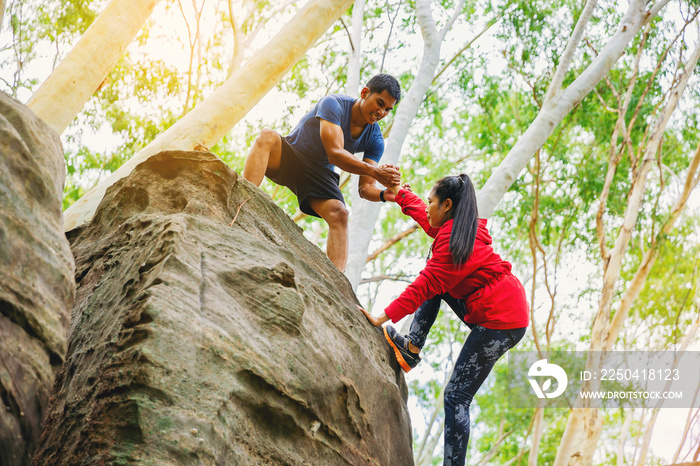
36	276
198	340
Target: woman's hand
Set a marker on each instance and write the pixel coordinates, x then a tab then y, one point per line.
376	321
390	196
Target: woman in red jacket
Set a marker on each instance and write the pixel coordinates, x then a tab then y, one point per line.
464	271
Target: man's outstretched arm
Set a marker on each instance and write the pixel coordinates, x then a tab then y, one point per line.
333	139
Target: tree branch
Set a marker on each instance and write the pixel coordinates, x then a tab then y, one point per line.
466	46
379	278
391	29
455	14
571	46
424	17
533	249
555	110
2	11
615	152
656	8
392	241
352	46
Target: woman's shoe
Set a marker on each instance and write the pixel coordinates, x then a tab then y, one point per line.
407	359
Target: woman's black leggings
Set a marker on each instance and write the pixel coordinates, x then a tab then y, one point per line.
481	350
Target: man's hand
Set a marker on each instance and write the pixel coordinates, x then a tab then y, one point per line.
388	175
376	321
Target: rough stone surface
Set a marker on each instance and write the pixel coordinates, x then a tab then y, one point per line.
196	342
36	276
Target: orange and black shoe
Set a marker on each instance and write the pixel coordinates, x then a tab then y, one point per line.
407	359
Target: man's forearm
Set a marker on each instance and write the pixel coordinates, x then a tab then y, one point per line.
370	192
349	163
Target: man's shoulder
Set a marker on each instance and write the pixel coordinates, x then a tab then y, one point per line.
341	99
334	107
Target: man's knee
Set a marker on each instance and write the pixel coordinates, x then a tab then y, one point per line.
267	139
337	215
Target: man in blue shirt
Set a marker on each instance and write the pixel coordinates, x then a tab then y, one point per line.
336	128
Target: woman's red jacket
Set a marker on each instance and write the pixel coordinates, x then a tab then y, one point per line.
494	297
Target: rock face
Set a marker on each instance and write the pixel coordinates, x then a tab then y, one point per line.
196	342
36	276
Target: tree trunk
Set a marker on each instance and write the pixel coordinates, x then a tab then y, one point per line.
2	12
82	72
624	432
352	85
687	339
365	213
537	430
689	420
217	114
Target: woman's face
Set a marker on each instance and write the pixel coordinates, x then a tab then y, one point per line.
438	213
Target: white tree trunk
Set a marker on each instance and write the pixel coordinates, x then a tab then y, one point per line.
217	114
537	431
624	432
64	93
365	213
352	84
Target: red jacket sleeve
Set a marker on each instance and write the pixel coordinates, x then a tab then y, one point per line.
438	277
414	207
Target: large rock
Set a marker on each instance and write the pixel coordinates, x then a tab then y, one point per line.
196	342
36	276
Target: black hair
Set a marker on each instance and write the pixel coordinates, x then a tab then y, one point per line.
385	82
465	214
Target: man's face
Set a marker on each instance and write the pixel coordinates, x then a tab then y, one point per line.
376	105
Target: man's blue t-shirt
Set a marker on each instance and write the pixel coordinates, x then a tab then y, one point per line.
335	108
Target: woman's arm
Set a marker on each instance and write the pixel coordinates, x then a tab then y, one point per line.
414	206
438	277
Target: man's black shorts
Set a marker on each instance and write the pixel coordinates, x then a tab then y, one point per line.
305	179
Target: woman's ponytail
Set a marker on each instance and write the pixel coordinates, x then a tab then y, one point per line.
465	214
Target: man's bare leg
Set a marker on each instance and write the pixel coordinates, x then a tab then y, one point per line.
335	214
264	157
